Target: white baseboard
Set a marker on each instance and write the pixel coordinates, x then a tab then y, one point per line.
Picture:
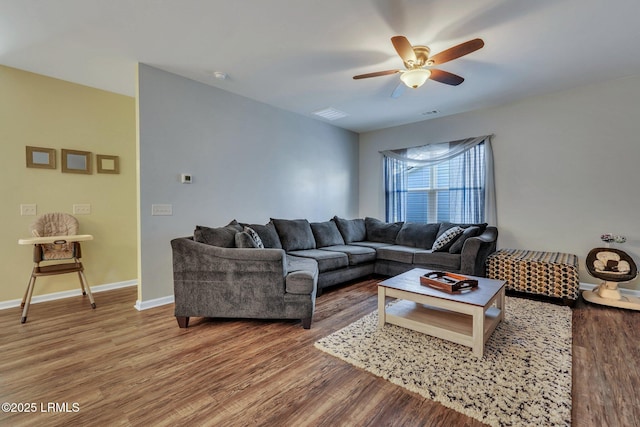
68	294
623	291
152	303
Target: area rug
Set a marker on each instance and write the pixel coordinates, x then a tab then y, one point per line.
524	378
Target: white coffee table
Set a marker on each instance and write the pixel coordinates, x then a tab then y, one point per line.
467	318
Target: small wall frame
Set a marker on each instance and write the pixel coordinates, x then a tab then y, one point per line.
42	158
74	161
108	164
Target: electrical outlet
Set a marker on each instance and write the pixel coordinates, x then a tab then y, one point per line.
82	209
160	210
28	210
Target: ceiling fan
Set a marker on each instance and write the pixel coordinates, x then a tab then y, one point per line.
416	58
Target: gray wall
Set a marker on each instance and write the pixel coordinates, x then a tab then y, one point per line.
249	161
566	166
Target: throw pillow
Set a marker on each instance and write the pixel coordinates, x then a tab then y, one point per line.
326	234
255	237
444	226
446	239
456	246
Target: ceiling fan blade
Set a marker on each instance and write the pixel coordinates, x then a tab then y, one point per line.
376	74
398	91
446	77
456	52
404	49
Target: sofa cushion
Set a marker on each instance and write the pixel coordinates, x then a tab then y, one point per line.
224	237
418	235
356	254
352	230
268	235
397	253
295	234
468	232
296	263
327	260
372	245
446	239
300	283
301	276
326	234
439	260
379	231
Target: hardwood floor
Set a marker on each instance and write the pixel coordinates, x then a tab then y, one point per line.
120	367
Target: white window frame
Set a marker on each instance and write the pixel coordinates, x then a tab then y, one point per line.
432	193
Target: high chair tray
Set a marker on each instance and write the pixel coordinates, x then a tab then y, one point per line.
55	239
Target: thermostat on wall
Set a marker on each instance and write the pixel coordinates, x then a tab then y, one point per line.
186	178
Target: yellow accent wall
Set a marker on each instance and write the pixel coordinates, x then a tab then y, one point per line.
44	112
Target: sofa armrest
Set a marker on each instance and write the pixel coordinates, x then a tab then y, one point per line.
212	281
476	250
190	257
301	282
237	274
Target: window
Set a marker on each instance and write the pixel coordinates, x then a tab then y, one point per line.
428	193
439	182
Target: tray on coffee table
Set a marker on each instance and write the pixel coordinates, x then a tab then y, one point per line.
448	282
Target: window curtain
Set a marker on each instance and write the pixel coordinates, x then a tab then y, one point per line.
395	182
477	168
466	186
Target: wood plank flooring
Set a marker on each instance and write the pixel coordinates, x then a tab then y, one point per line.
121	367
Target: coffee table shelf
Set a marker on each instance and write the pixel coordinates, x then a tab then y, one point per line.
468	319
444	324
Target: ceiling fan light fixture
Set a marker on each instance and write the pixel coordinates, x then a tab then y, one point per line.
415	78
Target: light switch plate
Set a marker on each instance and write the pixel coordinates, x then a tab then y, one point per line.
82	209
28	209
161	210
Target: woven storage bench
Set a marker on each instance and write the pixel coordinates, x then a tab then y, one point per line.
553	274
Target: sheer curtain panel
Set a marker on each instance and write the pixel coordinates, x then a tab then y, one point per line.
395	182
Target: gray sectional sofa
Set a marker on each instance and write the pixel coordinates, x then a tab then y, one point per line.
275	271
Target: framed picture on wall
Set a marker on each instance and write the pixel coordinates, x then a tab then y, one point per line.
108	164
43	158
74	161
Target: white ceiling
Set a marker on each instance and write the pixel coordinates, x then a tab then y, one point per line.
300	55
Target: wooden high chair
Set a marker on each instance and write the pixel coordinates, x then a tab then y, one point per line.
56	244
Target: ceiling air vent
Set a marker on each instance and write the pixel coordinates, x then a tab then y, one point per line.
330	114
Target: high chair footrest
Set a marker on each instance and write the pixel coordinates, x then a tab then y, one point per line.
48	270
